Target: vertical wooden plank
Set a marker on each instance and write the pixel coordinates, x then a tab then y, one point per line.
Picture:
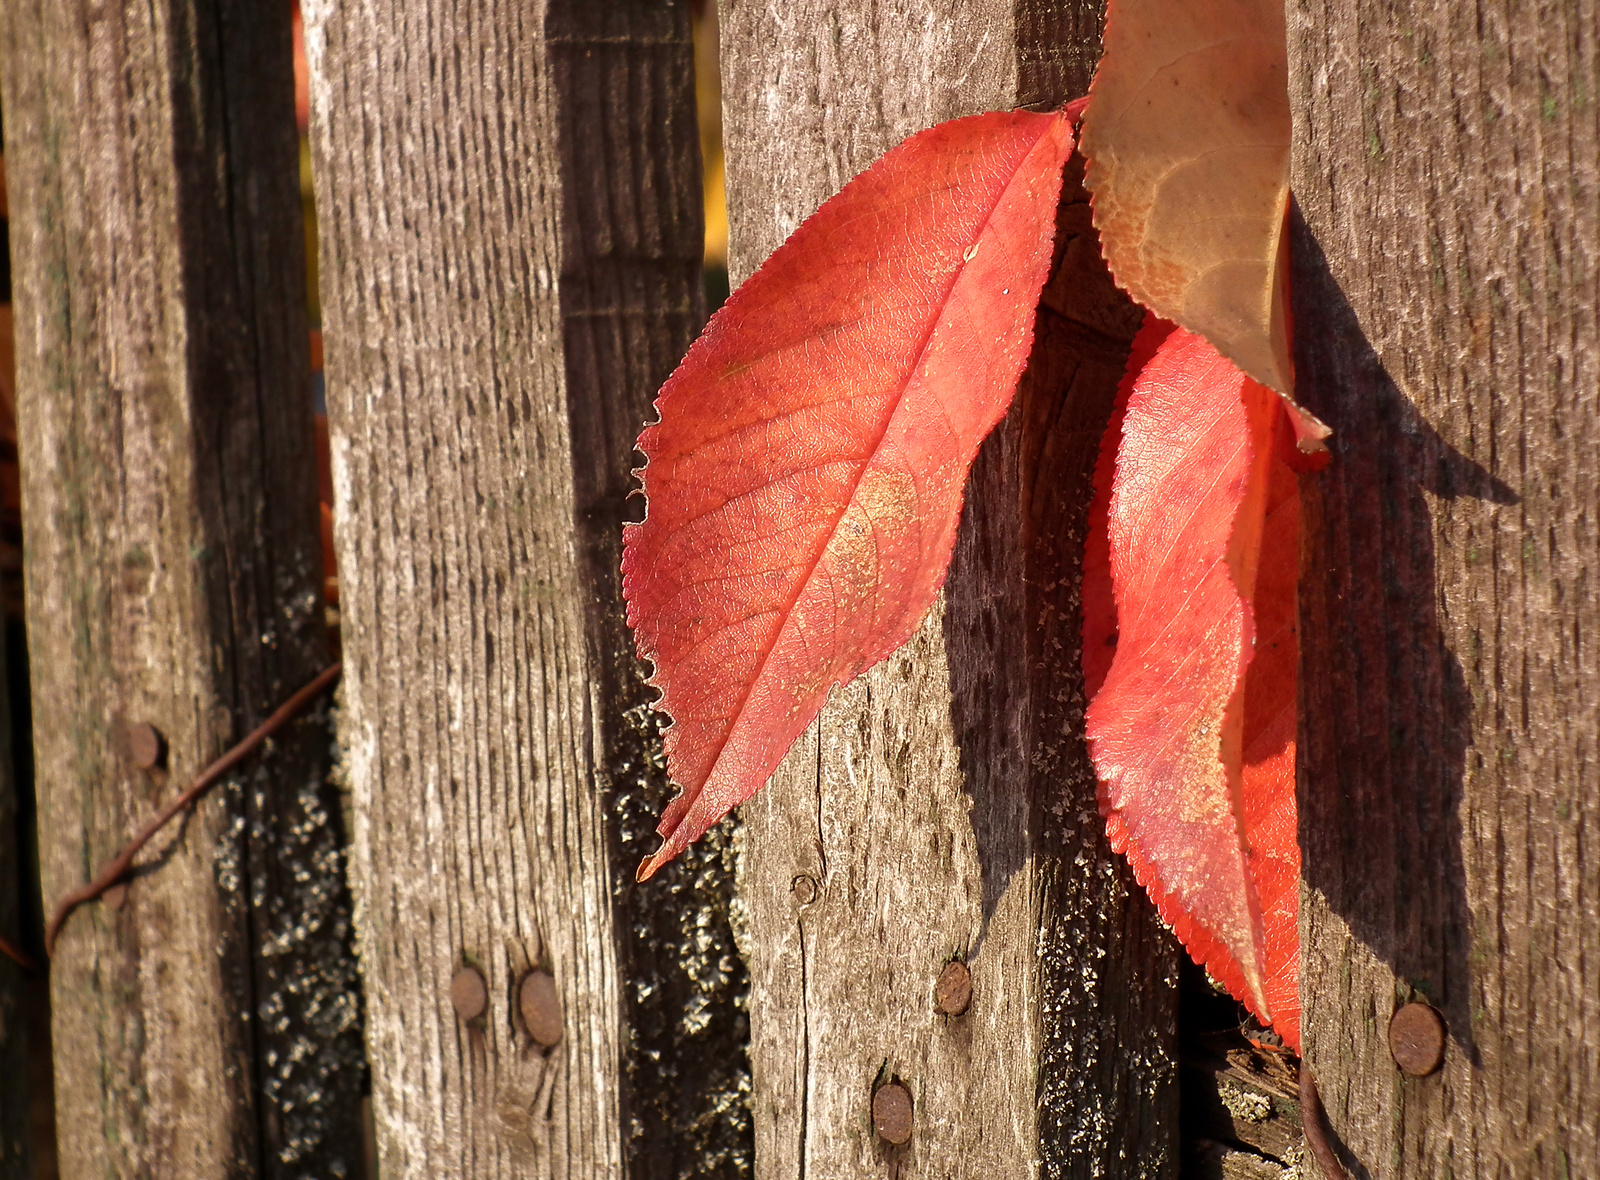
631	301
207	1025
16	1155
509	208
943	806
1447	285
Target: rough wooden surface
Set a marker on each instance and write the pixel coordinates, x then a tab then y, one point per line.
510	221
943	805
1235	1095
207	1026
631	301
16	1155
1446	283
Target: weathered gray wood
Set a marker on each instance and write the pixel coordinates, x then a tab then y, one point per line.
511	232
943	805
1447	288
207	1026
16	1155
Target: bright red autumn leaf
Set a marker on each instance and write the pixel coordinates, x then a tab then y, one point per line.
1270	704
804	482
1099	606
1190	655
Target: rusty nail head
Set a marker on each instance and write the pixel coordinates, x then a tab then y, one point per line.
1416	1039
146	746
952	993
541	1007
804	889
469	993
891	1113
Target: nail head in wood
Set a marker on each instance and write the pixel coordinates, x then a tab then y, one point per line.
541	1007
146	747
804	889
1416	1039
952	992
891	1113
469	994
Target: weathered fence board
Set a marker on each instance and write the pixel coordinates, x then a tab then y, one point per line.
943	806
509	203
1447	279
206	1023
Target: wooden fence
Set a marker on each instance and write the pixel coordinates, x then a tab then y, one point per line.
423	891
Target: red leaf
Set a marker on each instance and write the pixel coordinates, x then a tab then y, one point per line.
1099	606
805	480
1267	778
1189	578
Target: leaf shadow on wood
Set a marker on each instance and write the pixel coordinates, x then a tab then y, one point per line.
986	636
1012	622
1385	713
986	646
1013	629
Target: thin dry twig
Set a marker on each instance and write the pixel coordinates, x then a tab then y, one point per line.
1314	1119
18	956
117	868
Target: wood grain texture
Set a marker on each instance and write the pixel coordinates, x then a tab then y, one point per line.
1446	283
508	198
631	301
209	1025
943	806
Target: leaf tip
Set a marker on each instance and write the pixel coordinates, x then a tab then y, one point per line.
1310	432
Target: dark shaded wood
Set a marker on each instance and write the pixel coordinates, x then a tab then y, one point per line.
1446	285
944	806
631	301
16	1154
1218	1161
208	1024
509	202
1236	1096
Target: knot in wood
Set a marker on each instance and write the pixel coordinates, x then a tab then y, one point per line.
469	994
892	1113
952	992
540	1007
1416	1039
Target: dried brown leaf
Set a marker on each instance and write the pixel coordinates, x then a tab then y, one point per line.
1187	141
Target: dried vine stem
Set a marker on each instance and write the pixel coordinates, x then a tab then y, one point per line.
118	867
1313	1120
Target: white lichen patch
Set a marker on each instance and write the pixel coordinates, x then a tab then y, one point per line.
1246	1105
